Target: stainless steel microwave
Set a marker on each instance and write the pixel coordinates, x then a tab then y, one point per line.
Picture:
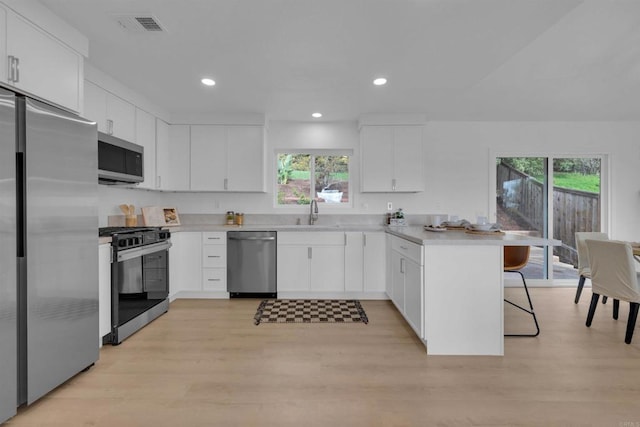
119	161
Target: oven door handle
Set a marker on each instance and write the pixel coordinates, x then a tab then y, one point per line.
128	254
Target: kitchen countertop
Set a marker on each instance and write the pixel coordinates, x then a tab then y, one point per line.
277	227
419	235
415	234
264	227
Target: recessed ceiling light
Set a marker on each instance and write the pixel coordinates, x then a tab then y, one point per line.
208	82
380	81
316	115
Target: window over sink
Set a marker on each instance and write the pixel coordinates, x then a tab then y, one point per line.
322	175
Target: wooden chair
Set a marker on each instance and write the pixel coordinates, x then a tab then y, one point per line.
613	273
583	259
515	258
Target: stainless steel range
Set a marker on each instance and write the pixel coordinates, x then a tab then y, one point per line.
139	278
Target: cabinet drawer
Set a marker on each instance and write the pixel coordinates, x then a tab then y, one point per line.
214	279
408	249
214	256
214	238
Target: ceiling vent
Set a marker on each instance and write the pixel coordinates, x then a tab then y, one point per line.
139	23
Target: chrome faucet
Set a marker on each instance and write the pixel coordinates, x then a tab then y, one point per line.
313	212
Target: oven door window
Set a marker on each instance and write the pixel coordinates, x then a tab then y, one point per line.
130	277
155	275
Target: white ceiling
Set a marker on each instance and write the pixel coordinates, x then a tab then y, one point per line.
448	59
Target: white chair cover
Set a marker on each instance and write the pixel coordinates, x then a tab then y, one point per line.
583	254
613	272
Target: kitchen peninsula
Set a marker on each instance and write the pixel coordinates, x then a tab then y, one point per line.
449	287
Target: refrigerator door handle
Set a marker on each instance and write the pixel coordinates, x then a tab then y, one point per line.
21	231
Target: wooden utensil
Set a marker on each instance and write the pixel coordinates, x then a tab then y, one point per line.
132	210
125	209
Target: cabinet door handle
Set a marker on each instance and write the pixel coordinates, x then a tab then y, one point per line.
226	184
10	68
110	126
309	253
213	238
16	76
393	184
345	239
364	240
402	265
213	256
12	63
159	183
213	280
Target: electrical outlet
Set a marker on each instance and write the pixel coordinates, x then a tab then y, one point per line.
389	206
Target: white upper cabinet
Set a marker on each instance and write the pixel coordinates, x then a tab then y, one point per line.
227	158
3	46
245	158
146	136
392	159
37	63
208	158
114	115
162	155
177	174
172	156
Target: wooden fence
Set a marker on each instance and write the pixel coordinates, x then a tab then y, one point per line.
521	195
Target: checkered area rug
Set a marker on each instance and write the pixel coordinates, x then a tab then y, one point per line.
310	311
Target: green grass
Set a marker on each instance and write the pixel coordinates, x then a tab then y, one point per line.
576	181
299	175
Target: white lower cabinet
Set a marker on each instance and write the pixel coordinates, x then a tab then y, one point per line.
214	261
326	267
104	290
365	262
397	280
292	267
413	295
185	263
311	261
407	278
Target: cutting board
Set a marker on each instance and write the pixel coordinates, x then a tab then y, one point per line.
156	216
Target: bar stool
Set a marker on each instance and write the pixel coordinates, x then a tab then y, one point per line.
515	258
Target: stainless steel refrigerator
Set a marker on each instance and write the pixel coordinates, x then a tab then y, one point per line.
48	249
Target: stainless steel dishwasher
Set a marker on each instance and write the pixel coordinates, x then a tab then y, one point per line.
251	264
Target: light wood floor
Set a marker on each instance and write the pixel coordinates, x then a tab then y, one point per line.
205	364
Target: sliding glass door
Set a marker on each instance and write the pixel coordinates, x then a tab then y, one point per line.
549	197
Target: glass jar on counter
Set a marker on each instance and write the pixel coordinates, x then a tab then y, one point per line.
230	218
239	218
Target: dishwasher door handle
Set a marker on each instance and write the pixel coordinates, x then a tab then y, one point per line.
252	238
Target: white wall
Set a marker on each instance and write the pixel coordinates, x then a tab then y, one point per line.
458	159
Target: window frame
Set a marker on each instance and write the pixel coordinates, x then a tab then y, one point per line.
605	201
313	153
